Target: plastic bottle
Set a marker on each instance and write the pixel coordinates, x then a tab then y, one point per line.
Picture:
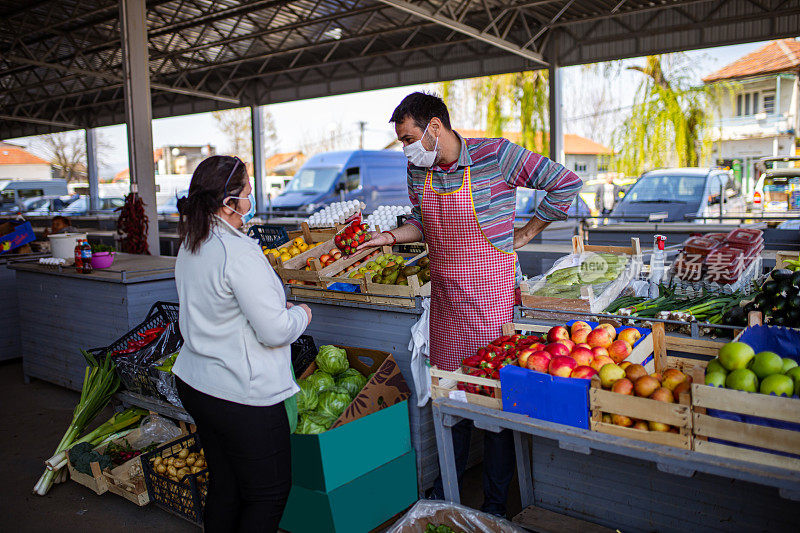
86	257
78	256
657	264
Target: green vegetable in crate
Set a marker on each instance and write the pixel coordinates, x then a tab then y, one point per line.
333	402
332	360
321	381
352	382
82	455
307	398
310	424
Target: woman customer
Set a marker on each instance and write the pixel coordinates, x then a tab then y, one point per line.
234	369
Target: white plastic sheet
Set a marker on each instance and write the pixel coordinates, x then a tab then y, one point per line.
457	517
420	351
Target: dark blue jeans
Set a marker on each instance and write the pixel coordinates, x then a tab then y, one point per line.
498	466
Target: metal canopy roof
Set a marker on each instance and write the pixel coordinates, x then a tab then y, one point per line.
60	60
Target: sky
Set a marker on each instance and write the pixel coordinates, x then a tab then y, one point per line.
297	122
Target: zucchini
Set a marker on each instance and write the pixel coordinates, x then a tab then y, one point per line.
761	301
794	303
796	279
771	288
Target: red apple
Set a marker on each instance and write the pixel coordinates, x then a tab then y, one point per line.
556	349
621	420
672	378
523	355
568	343
583	372
663	394
630	334
579	331
557	333
583	345
599	337
562	366
634	372
582	356
641	424
623	386
619	350
536	346
645	386
599	350
538	361
612	333
600	361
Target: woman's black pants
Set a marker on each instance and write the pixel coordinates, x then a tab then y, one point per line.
248	454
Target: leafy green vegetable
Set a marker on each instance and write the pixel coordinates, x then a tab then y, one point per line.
321	381
307	397
333	402
309	424
353	383
82	455
332	360
99	248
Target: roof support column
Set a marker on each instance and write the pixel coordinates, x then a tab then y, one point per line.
91	170
556	109
138	111
257	126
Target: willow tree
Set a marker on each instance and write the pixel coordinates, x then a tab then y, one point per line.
669	122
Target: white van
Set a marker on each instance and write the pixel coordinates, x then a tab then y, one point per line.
14	193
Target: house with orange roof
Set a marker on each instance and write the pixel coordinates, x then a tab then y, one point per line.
761	117
16	163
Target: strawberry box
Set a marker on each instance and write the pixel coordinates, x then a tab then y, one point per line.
351	237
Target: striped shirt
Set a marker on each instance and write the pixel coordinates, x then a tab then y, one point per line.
497	168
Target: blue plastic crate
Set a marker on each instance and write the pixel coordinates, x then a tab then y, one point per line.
22	235
269	235
545	397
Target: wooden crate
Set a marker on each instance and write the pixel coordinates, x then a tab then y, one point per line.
745	403
96	482
678	415
582	304
441	390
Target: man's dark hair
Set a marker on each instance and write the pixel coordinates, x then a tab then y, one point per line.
63	219
421	107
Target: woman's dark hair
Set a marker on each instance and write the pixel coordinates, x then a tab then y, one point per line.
421	107
215	179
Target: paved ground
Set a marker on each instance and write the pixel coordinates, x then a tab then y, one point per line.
33	419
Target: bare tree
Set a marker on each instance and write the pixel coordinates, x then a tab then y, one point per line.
236	124
335	137
66	151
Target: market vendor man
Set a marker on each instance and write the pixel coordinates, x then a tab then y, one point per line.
463	196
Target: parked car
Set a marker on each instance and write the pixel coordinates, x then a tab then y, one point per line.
170	207
373	177
778	187
47	205
13	193
81	206
528	200
680	195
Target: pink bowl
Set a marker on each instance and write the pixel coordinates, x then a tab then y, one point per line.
102	259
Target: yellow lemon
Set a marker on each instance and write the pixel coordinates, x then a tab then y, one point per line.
285	257
294	250
302	246
299	240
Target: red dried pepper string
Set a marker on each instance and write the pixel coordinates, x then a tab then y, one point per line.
133	223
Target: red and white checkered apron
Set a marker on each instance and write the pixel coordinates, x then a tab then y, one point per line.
472	282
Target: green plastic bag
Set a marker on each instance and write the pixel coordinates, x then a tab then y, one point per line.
291	407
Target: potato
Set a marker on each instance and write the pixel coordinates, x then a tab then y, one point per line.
157	461
184	453
190	460
195	469
179	463
161	469
171	470
200	462
169	460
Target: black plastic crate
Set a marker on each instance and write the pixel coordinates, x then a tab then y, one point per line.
304	351
186	498
135	375
269	235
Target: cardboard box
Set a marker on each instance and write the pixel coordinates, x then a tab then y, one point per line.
358	506
373	430
15	235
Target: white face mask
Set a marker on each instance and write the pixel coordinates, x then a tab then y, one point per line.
418	155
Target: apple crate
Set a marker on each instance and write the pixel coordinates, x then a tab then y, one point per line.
553	398
589	301
444	384
750	426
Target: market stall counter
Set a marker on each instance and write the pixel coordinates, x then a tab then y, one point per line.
62	312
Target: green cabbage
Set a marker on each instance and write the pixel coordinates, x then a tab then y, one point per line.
353	383
349	372
310	425
321	381
332	360
307	397
333	402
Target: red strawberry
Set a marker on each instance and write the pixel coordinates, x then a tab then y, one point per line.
364	227
361	238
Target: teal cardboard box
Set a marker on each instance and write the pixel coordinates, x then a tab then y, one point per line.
372	431
358	506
